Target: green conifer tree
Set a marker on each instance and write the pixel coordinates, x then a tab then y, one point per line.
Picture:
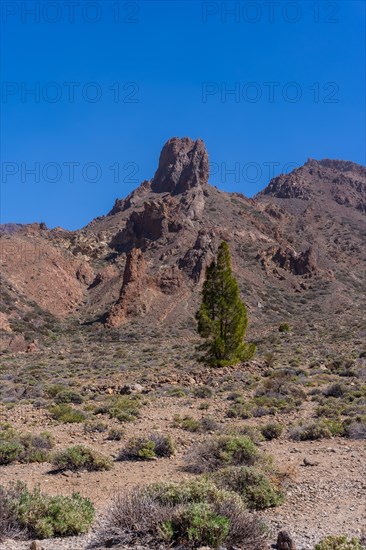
222	317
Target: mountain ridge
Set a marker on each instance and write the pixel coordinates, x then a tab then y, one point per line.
301	235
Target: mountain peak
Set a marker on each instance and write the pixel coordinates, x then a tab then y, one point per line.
183	164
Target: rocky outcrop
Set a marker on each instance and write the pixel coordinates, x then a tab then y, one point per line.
84	273
130	301
303	263
32	347
121	205
336	180
285	541
170	280
155	221
196	259
291	186
175	223
287	259
183	164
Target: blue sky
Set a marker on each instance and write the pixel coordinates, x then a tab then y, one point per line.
161	69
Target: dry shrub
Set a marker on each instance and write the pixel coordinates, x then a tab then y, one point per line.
179	515
9	526
133	518
221	451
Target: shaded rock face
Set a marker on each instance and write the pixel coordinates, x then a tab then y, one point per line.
287	259
288	187
197	258
121	205
170	280
183	164
298	264
348	192
155	221
32	347
285	542
133	286
139	290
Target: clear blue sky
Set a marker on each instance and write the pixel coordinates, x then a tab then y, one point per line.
173	62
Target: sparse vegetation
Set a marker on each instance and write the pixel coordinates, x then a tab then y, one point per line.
194	513
67	414
206	424
80	457
24	448
253	486
316	430
272	430
220	451
148	448
339	543
124	408
36	515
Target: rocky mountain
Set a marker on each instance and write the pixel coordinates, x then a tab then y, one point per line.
297	250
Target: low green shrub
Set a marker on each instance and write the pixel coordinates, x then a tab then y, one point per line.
199	524
284	327
25	448
240	410
9	451
316	430
68	396
203	392
80	457
115	434
224	450
124	408
66	414
54	389
336	427
190	514
339	543
249	431
41	516
253	486
177	392
148	448
206	424
265	405
95	427
36	448
186	423
272	430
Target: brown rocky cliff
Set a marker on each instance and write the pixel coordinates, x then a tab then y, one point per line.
162	236
183	164
133	287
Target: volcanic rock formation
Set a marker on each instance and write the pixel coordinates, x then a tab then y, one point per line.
145	261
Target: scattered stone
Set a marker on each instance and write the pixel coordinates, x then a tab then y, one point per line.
285	542
308	462
131	389
32	347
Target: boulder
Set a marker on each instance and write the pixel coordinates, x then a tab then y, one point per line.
285	541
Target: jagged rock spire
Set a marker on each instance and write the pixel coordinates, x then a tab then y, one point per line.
183	164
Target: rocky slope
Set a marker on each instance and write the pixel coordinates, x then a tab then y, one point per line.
296	247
